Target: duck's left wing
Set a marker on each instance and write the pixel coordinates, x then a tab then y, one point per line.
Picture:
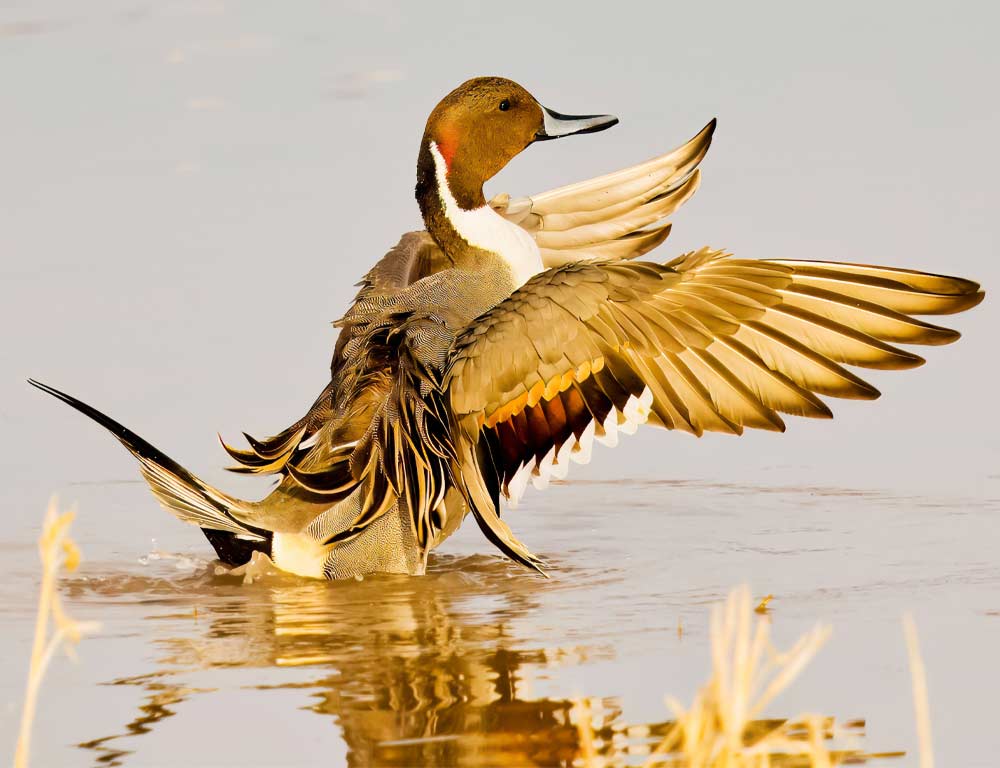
415	256
621	215
704	343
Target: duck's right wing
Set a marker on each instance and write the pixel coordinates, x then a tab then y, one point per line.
621	215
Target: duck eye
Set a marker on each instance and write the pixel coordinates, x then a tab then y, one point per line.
504	105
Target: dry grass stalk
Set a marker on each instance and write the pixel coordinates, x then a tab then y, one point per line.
724	728
585	733
57	551
921	708
748	673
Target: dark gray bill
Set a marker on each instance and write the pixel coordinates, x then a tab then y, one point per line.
556	126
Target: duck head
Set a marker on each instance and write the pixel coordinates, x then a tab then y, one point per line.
478	128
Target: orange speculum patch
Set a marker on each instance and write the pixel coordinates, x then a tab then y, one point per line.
541	390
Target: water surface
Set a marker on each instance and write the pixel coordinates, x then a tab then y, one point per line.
481	663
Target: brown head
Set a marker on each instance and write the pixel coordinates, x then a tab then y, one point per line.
480	126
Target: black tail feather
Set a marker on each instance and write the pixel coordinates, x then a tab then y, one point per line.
125	436
230	547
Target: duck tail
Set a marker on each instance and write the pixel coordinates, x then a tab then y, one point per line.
189	499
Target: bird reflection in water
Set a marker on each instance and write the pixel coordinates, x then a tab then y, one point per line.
424	671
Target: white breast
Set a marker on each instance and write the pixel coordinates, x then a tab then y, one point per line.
486	229
299	553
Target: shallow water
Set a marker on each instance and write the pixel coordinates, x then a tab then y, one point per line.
479	663
189	190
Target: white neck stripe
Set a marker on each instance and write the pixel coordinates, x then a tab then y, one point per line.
486	229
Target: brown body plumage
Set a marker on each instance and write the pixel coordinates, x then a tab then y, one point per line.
493	348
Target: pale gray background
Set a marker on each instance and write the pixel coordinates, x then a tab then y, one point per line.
189	190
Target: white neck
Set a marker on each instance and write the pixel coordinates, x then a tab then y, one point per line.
486	229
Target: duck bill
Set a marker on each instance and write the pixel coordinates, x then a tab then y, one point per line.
556	125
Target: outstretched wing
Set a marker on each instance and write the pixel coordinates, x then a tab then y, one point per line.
705	343
617	216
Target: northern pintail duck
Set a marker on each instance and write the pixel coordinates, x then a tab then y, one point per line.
491	349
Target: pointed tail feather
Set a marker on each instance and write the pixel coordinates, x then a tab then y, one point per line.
178	491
